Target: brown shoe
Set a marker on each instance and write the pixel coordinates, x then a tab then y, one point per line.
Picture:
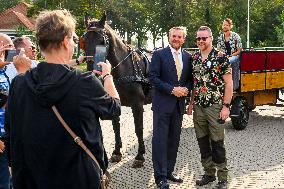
205	180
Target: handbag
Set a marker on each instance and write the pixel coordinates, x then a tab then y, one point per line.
105	177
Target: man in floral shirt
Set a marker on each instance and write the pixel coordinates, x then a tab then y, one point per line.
210	101
230	43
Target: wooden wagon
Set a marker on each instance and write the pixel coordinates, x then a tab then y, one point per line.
261	79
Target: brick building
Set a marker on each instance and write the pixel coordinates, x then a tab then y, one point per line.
14	18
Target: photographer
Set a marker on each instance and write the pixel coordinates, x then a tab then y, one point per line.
5	44
43	154
8	68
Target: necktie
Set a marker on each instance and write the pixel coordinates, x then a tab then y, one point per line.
178	65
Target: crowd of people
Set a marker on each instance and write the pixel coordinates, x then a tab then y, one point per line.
40	151
42	154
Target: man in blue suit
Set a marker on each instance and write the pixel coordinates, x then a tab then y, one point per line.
170	73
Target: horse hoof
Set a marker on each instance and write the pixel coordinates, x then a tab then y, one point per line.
138	163
115	158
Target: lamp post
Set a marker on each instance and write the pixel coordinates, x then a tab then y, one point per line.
248	46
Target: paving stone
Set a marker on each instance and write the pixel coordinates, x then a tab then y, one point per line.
255	155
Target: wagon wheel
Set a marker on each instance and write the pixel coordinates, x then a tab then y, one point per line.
239	113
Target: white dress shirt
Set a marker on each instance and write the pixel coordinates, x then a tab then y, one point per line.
11	70
179	55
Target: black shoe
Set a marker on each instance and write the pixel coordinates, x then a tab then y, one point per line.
173	178
163	184
205	180
222	185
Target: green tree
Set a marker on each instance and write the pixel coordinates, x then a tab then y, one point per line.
6	4
137	17
77	7
280	29
265	19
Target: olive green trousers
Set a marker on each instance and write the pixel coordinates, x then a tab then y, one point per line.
210	137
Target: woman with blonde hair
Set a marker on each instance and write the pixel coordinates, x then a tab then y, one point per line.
43	154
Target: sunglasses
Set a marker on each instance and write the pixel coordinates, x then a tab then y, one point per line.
201	38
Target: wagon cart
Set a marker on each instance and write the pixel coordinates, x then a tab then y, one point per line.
261	80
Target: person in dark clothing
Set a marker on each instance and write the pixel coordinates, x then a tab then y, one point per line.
43	154
170	73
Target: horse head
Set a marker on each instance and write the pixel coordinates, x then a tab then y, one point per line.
98	32
129	65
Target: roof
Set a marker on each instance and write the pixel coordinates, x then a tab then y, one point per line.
16	16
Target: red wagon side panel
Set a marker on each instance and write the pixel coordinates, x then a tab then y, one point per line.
252	61
275	60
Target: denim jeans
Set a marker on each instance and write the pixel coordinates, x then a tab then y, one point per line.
234	59
235	63
4	171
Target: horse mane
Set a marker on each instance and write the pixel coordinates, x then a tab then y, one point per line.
114	35
118	39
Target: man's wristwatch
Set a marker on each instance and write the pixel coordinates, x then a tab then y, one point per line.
227	105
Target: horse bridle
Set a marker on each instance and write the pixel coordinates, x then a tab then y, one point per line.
137	68
102	32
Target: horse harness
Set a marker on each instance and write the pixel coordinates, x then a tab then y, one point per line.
138	74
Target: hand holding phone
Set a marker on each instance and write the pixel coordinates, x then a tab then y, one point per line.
9	54
100	56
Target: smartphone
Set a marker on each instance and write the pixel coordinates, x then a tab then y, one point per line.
9	54
100	56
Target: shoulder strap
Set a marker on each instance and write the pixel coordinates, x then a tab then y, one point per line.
76	138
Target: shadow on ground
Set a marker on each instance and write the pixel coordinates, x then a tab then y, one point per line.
255	155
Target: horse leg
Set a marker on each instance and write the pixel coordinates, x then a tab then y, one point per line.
116	154
138	121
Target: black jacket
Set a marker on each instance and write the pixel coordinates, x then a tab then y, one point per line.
43	154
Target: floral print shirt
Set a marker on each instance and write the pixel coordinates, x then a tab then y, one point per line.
234	41
209	84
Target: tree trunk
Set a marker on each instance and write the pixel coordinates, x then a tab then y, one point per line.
128	37
154	40
139	43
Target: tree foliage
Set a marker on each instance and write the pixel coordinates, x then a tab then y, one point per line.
5	4
141	17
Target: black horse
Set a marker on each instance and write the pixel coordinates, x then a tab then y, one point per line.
129	73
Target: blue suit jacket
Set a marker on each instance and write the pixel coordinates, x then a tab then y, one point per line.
163	76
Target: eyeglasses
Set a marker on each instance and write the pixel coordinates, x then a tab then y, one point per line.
201	38
75	39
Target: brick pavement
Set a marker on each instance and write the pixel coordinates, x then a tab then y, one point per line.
255	155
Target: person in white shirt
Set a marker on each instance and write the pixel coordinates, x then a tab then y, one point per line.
25	44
